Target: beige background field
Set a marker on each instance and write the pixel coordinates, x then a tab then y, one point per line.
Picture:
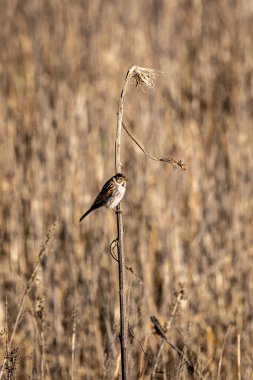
62	67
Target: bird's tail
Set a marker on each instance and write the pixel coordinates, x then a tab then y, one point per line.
87	213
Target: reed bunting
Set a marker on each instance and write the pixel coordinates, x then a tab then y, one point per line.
110	195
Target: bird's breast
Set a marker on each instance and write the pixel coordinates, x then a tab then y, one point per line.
117	197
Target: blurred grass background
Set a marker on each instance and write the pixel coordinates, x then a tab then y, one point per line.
62	68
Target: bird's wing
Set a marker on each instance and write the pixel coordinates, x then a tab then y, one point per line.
104	195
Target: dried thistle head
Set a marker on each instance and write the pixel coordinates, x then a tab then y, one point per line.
144	77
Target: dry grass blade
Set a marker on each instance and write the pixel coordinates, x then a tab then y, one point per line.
222	352
73	343
239	357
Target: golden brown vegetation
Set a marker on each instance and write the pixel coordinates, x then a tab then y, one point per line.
188	235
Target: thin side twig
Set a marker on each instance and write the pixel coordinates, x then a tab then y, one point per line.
171	160
146	353
113	245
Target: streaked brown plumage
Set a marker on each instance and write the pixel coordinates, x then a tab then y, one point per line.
110	195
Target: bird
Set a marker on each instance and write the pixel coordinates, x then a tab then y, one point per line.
110	195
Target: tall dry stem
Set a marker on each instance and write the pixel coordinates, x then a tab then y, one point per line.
222	352
73	343
144	78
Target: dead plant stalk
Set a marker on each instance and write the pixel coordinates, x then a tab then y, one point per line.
121	268
144	78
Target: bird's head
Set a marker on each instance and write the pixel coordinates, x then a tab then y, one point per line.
120	179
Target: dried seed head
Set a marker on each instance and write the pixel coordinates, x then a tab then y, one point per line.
144	77
10	364
40	307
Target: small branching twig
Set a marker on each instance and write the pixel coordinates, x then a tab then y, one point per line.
146	353
113	245
175	163
130	269
41	254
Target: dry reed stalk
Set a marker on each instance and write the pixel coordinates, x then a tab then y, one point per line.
143	77
6	325
40	323
73	343
222	352
117	369
36	320
239	357
42	253
42	361
123	317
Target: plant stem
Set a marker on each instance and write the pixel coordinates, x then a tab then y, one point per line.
123	316
121	268
143	77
